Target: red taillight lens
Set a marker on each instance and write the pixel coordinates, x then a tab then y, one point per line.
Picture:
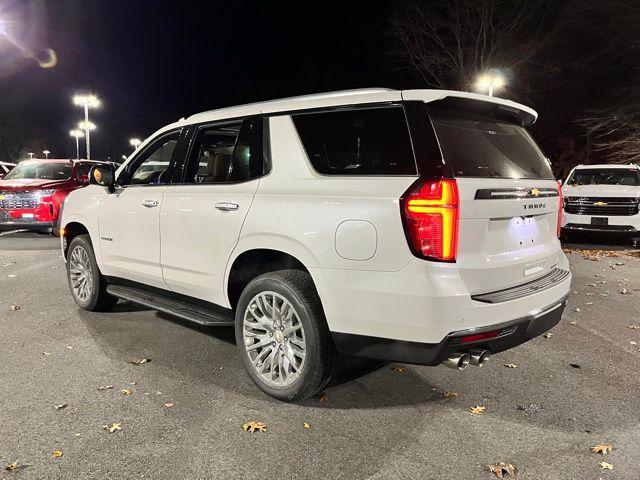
560	206
431	219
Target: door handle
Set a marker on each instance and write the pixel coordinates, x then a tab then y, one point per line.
150	203
227	206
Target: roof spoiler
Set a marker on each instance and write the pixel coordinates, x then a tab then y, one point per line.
489	109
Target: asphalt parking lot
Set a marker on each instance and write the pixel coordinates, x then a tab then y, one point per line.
184	414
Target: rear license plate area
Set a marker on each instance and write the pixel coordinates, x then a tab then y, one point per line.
599	221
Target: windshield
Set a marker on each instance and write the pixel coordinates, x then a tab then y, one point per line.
480	146
40	170
605	176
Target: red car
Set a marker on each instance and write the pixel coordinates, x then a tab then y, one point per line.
32	193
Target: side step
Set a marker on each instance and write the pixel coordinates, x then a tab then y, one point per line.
210	316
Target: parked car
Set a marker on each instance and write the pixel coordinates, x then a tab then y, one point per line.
33	191
602	199
5	167
416	226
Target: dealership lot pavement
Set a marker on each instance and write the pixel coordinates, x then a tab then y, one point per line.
184	415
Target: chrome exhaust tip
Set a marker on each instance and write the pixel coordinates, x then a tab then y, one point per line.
458	360
479	357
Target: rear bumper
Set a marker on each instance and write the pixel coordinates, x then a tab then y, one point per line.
516	332
25	224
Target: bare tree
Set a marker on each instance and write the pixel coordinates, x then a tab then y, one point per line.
449	42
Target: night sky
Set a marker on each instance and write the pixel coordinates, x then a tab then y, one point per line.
152	62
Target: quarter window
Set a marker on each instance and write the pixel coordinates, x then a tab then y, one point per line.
372	141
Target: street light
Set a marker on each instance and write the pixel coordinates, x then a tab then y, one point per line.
490	83
135	142
46	153
78	134
30	155
87	102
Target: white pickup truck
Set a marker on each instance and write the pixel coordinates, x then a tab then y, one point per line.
602	199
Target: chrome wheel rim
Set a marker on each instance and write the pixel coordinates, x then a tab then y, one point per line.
80	273
274	339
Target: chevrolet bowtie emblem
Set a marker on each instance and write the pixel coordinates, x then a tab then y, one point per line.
535	192
599	204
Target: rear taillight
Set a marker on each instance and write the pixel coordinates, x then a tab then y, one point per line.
430	213
560	205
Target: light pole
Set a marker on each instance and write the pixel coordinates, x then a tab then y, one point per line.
30	155
135	142
46	153
490	83
87	127
77	134
87	102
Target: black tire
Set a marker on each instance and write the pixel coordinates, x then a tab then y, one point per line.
98	299
321	357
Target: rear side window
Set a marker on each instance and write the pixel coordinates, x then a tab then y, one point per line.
478	146
373	141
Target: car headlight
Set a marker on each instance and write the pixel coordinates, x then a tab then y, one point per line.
47	192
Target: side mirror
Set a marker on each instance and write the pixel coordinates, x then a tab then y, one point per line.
103	175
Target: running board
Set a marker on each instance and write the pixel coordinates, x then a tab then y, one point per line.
202	315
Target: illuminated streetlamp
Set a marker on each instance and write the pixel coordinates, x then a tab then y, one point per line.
46	153
77	134
135	142
490	83
30	155
87	102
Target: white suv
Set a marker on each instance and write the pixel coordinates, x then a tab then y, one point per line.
602	199
414	226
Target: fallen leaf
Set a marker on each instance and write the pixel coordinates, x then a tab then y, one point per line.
477	409
141	361
254	426
624	291
632	343
11	467
603	449
577	309
127	391
511	365
548	335
574	365
323	397
399	369
589	294
589	303
449	394
15	307
573	323
634	327
499	469
60	407
57	454
112	427
591	284
306	426
105	387
169	404
46	354
606	465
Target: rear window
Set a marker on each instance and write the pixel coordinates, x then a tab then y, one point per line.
479	146
605	176
373	141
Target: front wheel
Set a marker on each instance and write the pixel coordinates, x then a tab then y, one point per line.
283	337
88	286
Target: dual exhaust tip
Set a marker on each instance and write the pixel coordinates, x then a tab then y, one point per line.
461	360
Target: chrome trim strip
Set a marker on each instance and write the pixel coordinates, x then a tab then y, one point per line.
555	276
514	193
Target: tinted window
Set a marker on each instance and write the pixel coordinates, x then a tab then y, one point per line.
40	170
605	176
227	153
478	146
153	162
357	142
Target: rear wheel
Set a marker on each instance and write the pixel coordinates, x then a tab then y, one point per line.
88	286
283	337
